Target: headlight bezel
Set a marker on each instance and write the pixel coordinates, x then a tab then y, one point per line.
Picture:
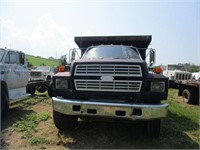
157	86
61	83
172	77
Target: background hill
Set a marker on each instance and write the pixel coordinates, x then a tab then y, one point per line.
39	61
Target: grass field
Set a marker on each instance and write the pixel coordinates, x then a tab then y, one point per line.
30	126
38	61
182	122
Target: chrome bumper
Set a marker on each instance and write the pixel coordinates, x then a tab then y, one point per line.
115	110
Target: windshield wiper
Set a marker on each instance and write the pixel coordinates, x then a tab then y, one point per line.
117	58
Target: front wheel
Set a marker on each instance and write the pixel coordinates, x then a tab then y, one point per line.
50	90
187	96
48	78
64	122
31	91
41	89
154	127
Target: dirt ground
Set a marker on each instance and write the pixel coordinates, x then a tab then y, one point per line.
88	135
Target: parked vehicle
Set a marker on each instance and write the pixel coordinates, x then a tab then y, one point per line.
189	90
196	76
14	76
111	80
42	73
40	78
176	74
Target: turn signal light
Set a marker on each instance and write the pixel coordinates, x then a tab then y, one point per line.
158	70
61	68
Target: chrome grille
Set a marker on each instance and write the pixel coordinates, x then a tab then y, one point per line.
107	69
183	76
114	86
35	74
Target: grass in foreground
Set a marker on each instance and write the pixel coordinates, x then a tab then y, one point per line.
182	122
180	129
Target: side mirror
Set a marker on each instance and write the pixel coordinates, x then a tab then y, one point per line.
74	54
152	57
22	58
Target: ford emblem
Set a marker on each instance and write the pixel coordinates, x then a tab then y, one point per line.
107	78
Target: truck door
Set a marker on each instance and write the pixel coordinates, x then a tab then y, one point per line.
17	74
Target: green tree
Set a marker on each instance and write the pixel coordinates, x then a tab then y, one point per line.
63	60
193	68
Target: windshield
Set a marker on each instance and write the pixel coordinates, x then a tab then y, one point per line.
2	51
176	67
42	68
114	52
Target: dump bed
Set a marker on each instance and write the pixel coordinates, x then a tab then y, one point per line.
141	42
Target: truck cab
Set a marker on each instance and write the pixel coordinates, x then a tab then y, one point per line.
176	74
14	77
111	80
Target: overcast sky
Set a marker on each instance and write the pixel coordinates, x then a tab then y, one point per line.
47	27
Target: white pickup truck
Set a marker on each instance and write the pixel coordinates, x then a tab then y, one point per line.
42	73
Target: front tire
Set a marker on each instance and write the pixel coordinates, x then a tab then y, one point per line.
31	91
41	89
187	96
64	122
48	78
50	90
4	105
154	128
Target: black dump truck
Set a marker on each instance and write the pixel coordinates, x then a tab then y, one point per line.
111	80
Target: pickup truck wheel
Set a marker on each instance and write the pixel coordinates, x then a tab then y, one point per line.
48	78
41	89
64	122
187	96
4	105
31	91
154	127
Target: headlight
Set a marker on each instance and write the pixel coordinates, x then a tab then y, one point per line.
157	86
171	77
61	84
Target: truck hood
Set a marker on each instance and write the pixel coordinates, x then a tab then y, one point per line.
108	61
39	71
178	71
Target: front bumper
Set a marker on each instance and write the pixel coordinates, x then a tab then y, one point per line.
114	110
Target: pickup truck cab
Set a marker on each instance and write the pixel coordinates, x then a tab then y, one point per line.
42	73
176	74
